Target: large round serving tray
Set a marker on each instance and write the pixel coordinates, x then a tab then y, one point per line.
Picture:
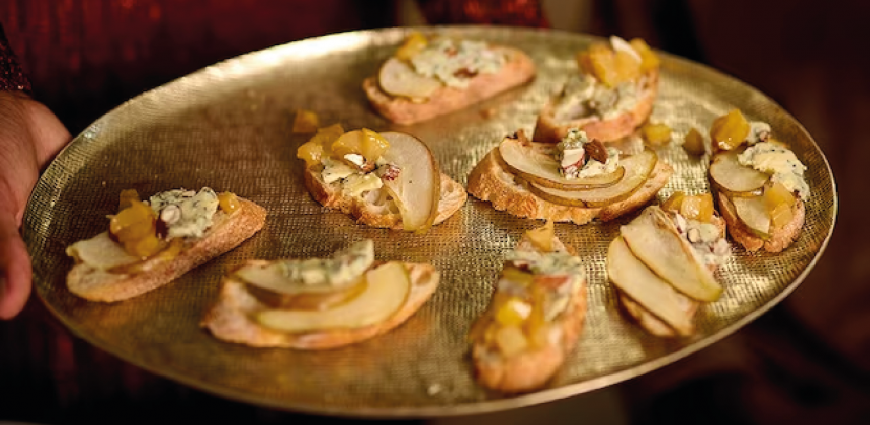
229	127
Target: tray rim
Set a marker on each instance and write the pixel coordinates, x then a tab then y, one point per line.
470	408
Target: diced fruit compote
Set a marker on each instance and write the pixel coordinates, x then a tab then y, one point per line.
127	198
650	60
319	145
657	134
134	222
228	202
542	237
696	207
777	195
373	145
415	43
143	247
780	216
306	121
694	142
513	312
730	130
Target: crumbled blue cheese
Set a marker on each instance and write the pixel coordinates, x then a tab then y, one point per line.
454	62
780	162
759	131
344	267
570	153
357	183
707	242
584	96
192	212
546	263
334	170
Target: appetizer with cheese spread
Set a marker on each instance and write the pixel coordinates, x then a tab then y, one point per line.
432	76
319	303
151	242
577	180
759	182
609	98
385	179
663	262
535	316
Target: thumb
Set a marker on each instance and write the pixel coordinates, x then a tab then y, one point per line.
15	272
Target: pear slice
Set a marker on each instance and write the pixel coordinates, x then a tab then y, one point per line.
417	189
734	178
543	170
633	277
752	211
638	169
101	252
309	300
654	239
398	79
387	288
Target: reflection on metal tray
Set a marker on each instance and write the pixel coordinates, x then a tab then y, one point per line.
228	127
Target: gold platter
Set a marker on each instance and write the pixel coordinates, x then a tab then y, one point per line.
228	127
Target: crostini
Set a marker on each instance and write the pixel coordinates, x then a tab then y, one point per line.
389	180
432	76
663	263
535	316
759	183
609	98
318	303
152	242
576	181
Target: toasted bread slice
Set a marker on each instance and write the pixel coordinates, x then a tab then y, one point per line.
550	129
227	232
533	368
518	69
650	322
489	181
374	209
779	240
231	317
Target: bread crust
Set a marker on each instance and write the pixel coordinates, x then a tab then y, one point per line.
228	232
518	70
452	197
549	130
231	317
779	240
488	181
534	368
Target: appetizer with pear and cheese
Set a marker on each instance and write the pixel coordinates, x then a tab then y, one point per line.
759	182
662	263
609	98
385	179
535	316
150	243
432	76
319	303
578	180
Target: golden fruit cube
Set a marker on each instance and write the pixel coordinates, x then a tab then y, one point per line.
306	121
730	130
228	202
657	134
694	142
649	59
373	145
414	44
674	202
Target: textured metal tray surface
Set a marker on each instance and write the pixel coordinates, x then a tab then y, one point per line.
228	127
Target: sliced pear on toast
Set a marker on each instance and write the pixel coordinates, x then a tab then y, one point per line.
729	176
417	189
387	289
654	239
636	280
752	211
398	78
543	170
638	169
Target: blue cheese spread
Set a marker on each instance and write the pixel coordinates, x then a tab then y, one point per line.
547	264
781	163
352	180
186	213
455	62
344	267
584	96
707	243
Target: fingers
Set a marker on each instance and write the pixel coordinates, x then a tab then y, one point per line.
15	272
